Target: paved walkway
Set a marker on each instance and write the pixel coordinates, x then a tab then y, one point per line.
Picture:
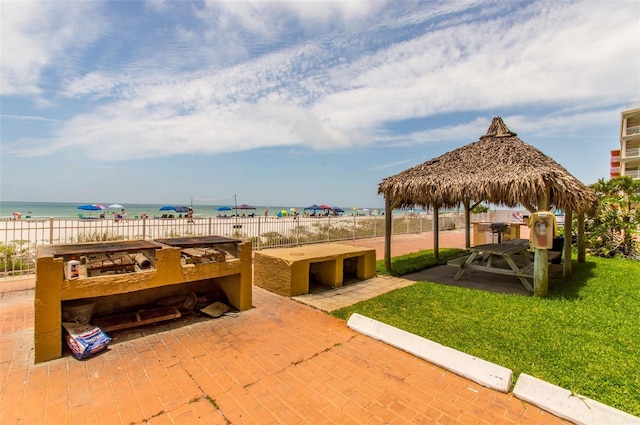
351	294
281	362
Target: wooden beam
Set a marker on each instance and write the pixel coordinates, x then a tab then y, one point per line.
387	233
436	233
541	255
467	225
541	272
582	243
566	264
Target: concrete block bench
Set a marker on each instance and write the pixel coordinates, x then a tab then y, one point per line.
288	271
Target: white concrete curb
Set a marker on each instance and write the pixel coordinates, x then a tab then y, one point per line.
481	371
564	404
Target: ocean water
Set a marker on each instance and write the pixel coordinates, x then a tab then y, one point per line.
42	210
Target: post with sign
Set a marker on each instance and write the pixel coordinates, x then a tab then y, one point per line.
542	224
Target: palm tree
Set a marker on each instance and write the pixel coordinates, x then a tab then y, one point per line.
619	213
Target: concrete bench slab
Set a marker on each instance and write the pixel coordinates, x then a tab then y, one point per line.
288	271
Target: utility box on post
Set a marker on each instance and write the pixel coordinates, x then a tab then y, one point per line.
543	229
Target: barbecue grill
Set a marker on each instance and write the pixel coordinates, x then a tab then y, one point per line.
499	228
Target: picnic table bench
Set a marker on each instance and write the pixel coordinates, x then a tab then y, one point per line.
511	259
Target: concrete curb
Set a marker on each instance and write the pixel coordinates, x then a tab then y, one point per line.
564	404
481	371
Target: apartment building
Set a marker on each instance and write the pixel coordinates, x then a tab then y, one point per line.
626	160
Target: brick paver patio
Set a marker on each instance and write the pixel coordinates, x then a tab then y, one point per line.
281	362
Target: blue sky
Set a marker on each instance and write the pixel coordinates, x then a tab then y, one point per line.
302	102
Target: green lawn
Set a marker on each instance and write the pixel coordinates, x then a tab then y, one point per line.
584	337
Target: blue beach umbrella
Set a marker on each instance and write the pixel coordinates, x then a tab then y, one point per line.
91	207
179	208
225	208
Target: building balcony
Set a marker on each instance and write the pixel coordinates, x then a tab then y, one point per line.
634	174
632	131
631	153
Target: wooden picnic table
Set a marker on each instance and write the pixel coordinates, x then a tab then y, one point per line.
512	259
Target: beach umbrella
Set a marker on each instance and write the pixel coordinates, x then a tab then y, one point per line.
313	207
115	206
224	208
325	207
179	208
293	210
91	207
337	209
245	207
282	213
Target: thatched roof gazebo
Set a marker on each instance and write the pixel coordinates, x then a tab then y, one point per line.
499	168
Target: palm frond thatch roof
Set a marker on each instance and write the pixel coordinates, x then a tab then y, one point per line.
499	168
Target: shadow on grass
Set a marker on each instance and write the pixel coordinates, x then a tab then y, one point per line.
411	265
570	288
418	261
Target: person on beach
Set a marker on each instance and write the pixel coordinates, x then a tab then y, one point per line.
123	215
190	215
116	216
266	212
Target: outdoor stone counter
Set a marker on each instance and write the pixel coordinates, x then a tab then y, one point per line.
168	277
288	271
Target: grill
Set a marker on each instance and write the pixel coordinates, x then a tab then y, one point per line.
499	228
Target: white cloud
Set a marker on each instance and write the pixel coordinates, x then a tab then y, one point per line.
309	94
561	58
391	165
34	37
29	118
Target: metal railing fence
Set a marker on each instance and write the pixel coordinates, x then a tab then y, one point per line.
19	239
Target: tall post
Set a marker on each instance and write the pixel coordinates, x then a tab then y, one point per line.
541	257
235	210
582	245
387	233
436	233
568	240
467	225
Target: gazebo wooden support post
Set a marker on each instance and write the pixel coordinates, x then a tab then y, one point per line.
541	257
467	225
387	233
436	233
582	245
568	241
467	222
